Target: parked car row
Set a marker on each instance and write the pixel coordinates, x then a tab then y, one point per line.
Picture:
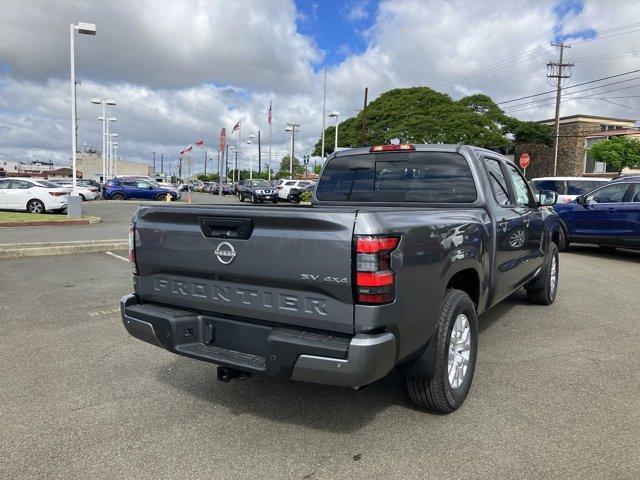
596	210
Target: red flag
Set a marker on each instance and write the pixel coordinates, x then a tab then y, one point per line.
237	127
223	138
200	143
188	149
269	117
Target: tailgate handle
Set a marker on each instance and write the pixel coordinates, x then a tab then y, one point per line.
225	227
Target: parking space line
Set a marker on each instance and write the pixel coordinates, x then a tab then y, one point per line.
117	256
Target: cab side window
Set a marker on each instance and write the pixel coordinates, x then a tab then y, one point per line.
523	197
609	194
498	182
20	184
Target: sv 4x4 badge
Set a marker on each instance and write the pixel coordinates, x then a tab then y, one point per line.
318	278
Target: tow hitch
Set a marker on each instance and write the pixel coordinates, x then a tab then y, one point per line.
225	374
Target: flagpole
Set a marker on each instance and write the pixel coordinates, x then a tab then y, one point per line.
324	111
270	121
190	184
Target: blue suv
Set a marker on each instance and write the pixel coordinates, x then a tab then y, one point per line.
126	188
608	216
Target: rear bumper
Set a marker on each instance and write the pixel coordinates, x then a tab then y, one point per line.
309	356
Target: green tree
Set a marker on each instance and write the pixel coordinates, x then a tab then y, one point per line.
423	115
317	169
619	152
298	168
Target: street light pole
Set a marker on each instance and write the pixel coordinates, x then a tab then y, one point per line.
250	142
335	114
112	161
115	159
74	208
291	127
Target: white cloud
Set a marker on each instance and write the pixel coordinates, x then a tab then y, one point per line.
181	71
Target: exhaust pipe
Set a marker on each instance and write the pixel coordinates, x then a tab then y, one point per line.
226	373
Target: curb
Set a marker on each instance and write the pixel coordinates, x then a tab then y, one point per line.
46	223
19	250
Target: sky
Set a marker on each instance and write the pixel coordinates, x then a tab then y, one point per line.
181	70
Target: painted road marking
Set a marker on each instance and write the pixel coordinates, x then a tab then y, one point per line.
117	256
98	313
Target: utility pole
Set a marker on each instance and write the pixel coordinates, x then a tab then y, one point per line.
237	172
556	72
205	162
364	116
154	163
293	127
162	163
180	168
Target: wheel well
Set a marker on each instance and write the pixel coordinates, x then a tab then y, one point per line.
468	281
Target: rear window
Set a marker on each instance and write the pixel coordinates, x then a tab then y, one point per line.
551	185
580	187
428	177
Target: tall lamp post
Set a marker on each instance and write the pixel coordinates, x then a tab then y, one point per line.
250	142
335	114
115	158
74	208
112	136
293	128
104	104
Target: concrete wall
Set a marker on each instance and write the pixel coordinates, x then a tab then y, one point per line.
90	164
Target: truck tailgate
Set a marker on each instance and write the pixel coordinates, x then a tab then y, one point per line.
275	264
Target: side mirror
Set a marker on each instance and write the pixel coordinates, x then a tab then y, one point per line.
547	198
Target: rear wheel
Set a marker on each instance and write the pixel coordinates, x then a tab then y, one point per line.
543	289
456	349
35	206
563	241
118	196
82	197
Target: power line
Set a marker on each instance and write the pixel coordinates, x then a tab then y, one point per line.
572	86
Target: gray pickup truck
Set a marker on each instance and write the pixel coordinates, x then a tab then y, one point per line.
402	248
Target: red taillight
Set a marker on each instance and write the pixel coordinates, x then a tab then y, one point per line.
374	244
375	281
132	248
57	194
391	148
93	189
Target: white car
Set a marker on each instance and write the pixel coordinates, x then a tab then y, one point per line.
567	188
284	188
32	195
85	192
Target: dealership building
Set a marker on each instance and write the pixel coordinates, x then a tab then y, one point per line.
578	133
90	164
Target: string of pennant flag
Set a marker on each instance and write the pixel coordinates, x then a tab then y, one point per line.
223	133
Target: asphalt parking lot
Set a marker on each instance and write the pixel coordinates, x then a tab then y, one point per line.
555	393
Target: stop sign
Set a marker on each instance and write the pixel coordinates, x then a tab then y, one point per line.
525	160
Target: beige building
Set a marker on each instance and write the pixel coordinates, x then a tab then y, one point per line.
578	133
90	164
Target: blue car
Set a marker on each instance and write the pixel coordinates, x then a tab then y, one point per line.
608	216
144	189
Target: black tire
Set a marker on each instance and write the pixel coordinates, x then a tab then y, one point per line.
563	241
118	196
161	197
240	197
437	394
35	206
82	197
541	290
254	199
